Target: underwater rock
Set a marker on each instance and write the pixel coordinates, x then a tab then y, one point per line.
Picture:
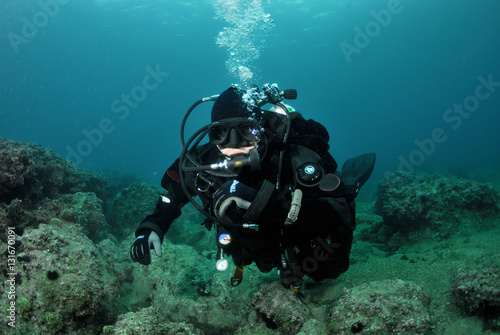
29	172
135	202
17	178
81	208
118	257
16	214
189	229
370	228
476	287
183	286
37	185
280	308
204	313
382	307
64	284
182	281
412	204
181	271
145	321
313	326
465	326
85	209
118	180
256	326
130	207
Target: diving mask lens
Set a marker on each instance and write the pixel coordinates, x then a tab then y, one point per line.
248	131
219	132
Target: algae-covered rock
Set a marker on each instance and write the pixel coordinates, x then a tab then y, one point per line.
476	287
86	210
180	286
255	327
118	257
146	321
281	308
118	180
180	271
382	307
30	172
63	284
465	326
35	182
17	214
204	313
137	201
130	207
17	173
314	326
82	208
189	229
430	204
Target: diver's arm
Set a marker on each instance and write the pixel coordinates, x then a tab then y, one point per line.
150	233
168	206
161	219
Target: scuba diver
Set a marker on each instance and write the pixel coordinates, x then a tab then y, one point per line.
267	183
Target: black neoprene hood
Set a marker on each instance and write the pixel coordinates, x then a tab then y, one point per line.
231	104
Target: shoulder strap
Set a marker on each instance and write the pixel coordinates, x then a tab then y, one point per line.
260	201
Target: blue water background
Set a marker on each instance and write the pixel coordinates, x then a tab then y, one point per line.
394	92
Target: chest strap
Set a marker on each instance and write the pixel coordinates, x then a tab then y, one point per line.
260	201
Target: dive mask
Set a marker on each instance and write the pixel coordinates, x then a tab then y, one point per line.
234	132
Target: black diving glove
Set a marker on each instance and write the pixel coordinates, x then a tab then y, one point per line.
232	200
139	252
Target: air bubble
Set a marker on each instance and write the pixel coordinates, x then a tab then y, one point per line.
242	39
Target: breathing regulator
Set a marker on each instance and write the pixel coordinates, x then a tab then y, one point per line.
191	167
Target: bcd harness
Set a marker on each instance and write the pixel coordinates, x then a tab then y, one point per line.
308	173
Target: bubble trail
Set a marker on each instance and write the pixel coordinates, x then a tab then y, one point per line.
245	37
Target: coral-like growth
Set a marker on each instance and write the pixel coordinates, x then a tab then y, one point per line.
412	203
382	307
180	286
86	210
37	185
188	229
130	207
117	180
146	321
281	308
17	173
82	208
29	172
64	285
476	286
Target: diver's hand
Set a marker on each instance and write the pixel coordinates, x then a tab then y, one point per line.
139	252
232	199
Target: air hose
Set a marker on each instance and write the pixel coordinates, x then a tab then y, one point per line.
293	213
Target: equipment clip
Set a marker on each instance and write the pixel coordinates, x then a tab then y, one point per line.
208	183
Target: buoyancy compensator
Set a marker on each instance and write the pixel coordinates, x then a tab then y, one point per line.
205	175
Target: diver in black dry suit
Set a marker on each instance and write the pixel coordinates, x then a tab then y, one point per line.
269	185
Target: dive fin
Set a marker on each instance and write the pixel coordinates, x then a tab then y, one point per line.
357	170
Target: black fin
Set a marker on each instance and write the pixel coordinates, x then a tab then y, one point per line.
357	170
